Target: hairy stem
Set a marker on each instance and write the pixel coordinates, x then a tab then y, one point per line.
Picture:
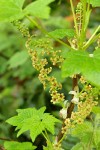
75	23
83	30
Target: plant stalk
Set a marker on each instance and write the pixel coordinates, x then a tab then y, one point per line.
69	110
74	17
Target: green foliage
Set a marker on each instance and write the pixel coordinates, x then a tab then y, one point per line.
48	147
77	62
20	87
96	110
61	33
95	3
36	121
88	134
83	132
78	146
39	8
19	3
21	56
9	10
19	146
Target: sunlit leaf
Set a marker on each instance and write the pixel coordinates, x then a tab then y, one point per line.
33	120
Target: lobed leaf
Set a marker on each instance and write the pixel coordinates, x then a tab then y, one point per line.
36	121
77	62
9	10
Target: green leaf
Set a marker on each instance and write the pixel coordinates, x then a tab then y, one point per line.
83	132
77	62
78	146
33	120
9	11
61	33
96	135
18	59
49	146
57	75
95	3
19	3
19	146
96	110
39	8
96	138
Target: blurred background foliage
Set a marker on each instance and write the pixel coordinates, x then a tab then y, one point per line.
19	83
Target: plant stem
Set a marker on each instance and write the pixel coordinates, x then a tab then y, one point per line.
48	137
46	32
5	139
69	111
92	38
45	136
83	30
75	23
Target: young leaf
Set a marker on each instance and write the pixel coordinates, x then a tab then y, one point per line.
61	33
39	8
18	59
9	10
36	121
19	146
77	62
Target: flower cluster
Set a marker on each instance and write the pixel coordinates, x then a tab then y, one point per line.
57	146
67	126
56	57
87	97
54	87
40	63
22	28
84	109
82	80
